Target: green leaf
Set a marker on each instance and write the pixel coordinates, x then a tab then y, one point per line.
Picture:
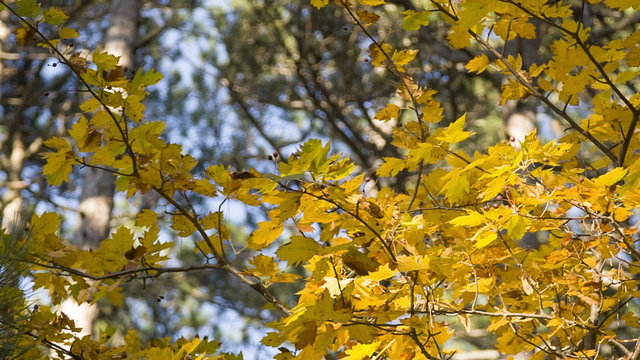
55	16
68	33
28	8
414	20
104	60
141	80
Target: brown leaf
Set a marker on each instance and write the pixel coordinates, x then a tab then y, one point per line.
242	175
307	336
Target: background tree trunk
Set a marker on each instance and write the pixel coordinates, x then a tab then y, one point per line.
98	188
13	157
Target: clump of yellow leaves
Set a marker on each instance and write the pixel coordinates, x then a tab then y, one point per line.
390	274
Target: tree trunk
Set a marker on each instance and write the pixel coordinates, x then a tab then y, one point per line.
96	199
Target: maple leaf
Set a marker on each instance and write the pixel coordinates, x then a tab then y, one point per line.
478	64
266	233
299	250
390	167
318	4
361	351
402	58
372	2
455	132
414	20
389	112
55	16
367	18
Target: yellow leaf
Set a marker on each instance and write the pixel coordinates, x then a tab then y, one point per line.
455	132
371	2
211	220
367	18
389	112
47	223
318	4
58	143
456	186
612	177
361	351
27	8
87	139
588	353
512	90
621	214
473	218
68	33
134	108
25	35
264	266
623	4
378	57
383	273
459	38
307	336
59	163
497	324
517	226
104	60
402	58
390	167
147	217
90	105
266	233
299	250
359	262
182	225
414	20
483	285
478	63
412	263
54	16
484	238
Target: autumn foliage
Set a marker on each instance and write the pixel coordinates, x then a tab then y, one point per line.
386	273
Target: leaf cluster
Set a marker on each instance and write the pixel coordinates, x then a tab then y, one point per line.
387	272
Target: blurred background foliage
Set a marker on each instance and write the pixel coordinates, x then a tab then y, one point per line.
244	80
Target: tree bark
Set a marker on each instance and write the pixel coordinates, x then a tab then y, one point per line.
14	157
96	199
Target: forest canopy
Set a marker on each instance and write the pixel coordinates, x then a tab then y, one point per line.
342	179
